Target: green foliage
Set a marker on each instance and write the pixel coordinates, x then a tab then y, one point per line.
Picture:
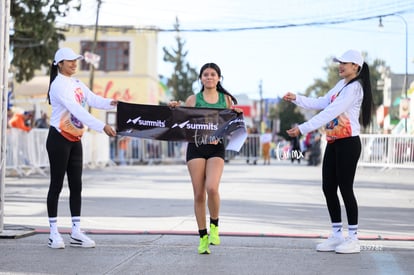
321	87
184	76
289	114
35	38
377	90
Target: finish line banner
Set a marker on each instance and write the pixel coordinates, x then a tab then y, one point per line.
196	125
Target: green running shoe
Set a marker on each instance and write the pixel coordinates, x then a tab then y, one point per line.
203	247
214	235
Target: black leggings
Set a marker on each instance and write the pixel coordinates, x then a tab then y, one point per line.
64	157
338	170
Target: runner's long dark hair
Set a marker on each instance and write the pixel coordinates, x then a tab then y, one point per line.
366	107
53	74
219	86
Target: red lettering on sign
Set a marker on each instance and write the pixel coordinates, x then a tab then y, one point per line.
115	95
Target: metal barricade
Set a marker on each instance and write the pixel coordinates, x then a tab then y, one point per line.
132	150
26	151
250	151
388	151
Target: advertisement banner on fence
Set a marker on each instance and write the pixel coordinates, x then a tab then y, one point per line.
196	125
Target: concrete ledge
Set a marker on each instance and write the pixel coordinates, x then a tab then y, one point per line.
16	232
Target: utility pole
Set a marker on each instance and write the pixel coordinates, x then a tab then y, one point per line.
261	105
4	79
405	84
93	49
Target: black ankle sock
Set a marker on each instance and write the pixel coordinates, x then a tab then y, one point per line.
202	232
215	222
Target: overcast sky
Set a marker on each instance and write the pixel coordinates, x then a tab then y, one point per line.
286	56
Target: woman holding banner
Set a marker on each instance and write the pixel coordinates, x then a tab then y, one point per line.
68	97
344	109
205	162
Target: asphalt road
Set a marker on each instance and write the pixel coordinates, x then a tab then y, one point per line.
272	217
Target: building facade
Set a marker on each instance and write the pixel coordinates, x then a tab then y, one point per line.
396	114
127	68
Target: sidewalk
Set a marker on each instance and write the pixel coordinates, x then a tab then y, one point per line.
272	217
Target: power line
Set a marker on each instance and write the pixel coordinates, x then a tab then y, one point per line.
217	14
253	28
265	13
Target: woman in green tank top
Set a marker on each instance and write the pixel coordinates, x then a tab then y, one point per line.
221	103
205	162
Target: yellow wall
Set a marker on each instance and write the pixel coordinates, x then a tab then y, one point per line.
140	83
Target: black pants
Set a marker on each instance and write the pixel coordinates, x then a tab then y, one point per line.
65	157
338	170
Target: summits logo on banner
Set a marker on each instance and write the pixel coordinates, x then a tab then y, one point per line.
150	123
209	126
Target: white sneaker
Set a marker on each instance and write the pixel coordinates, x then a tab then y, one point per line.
329	244
79	239
350	245
55	241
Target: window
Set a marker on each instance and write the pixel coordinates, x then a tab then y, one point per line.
114	55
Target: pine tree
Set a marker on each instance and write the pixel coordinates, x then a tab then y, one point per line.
182	80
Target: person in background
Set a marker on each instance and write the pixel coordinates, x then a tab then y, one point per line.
314	148
68	97
42	121
246	145
266	140
254	144
295	149
21	121
10	114
122	149
341	109
205	162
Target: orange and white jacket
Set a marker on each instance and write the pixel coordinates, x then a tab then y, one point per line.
340	111
69	97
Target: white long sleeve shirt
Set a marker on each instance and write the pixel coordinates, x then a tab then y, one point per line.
265	138
340	111
68	97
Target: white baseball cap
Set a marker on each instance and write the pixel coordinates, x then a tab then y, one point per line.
351	56
66	54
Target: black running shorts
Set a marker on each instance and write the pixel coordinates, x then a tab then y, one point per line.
205	151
